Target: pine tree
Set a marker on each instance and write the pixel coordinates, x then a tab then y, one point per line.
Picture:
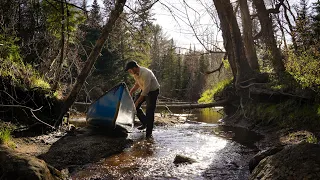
303	27
316	24
95	18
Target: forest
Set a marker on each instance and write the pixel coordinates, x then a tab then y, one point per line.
56	52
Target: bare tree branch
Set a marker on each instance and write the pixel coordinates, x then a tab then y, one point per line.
218	69
195	33
31	110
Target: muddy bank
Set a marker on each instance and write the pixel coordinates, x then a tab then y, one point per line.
285	153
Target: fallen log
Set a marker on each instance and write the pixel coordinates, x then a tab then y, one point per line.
179	105
193	106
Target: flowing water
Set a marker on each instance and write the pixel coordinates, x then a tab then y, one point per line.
219	152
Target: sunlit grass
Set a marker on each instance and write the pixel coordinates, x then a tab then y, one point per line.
208	95
5	134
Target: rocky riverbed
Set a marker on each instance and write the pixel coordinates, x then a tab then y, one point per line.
285	153
57	154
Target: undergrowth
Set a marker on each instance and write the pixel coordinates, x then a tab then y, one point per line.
290	113
12	67
23	88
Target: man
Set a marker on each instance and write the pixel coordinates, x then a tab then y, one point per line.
149	86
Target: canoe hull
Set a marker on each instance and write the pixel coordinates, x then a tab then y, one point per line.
115	107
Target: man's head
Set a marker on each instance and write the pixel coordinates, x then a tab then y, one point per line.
132	67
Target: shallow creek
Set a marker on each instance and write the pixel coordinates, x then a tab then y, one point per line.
220	152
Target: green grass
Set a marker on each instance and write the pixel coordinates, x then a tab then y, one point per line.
208	95
5	134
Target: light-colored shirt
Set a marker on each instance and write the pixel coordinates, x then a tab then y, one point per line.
147	81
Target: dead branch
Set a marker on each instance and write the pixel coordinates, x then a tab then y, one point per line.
31	110
195	33
218	69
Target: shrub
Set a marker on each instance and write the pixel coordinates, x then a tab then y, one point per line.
305	68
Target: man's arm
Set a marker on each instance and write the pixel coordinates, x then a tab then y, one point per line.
134	88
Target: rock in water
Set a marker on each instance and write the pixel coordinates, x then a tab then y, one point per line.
179	159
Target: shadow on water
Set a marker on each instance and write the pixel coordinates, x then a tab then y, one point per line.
240	135
220	152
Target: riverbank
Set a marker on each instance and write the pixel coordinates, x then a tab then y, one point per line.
275	135
67	151
290	148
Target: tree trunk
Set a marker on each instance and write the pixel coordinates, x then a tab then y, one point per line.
268	36
292	33
247	36
60	62
115	13
233	42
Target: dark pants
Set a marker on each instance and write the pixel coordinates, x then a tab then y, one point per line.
148	118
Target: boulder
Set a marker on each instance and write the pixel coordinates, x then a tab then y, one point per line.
300	161
18	166
261	155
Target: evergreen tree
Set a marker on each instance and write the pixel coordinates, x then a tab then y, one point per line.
142	34
316	24
303	27
95	18
178	85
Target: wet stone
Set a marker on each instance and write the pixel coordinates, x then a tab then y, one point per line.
180	159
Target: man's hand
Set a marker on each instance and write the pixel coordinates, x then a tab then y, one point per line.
138	101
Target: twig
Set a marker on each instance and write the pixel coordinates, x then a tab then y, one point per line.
10	96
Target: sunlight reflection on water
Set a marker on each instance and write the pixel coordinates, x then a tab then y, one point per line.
216	154
154	158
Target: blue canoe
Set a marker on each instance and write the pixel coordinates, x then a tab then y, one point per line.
115	107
